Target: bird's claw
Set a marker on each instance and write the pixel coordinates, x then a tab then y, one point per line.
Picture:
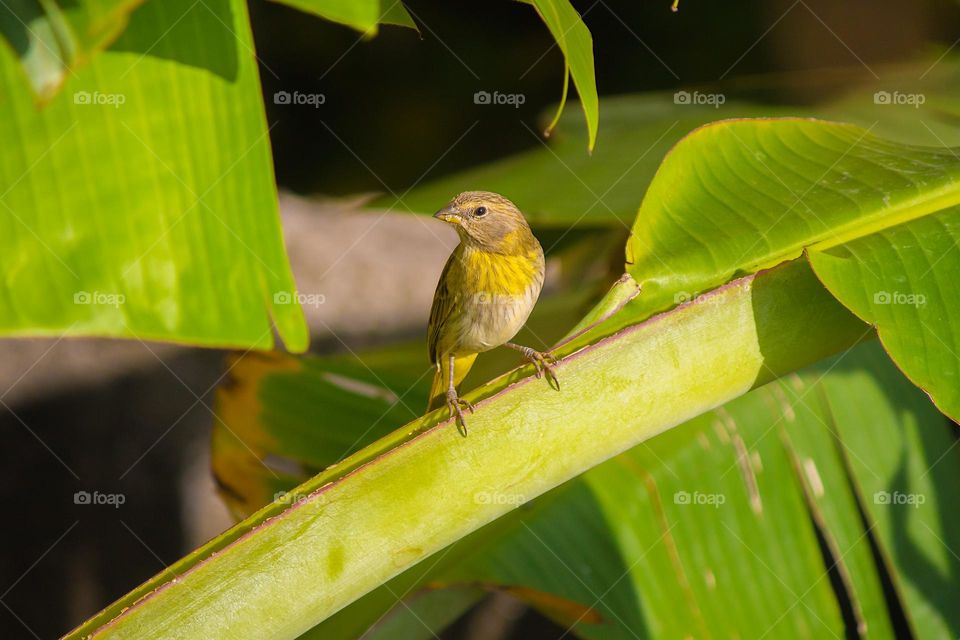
454	403
543	363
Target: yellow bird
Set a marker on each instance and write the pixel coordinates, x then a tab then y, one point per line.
486	292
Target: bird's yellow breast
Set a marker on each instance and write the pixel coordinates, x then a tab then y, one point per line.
498	274
496	296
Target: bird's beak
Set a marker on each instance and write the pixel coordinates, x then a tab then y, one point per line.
449	214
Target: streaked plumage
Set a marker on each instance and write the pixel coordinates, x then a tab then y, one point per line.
486	292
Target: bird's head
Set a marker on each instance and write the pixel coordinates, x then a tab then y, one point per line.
487	220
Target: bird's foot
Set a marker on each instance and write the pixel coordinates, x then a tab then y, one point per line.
454	403
543	362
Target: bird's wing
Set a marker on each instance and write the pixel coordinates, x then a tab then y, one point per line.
442	305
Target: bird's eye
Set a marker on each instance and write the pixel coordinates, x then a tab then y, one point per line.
480	212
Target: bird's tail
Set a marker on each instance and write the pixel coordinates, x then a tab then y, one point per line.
441	379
